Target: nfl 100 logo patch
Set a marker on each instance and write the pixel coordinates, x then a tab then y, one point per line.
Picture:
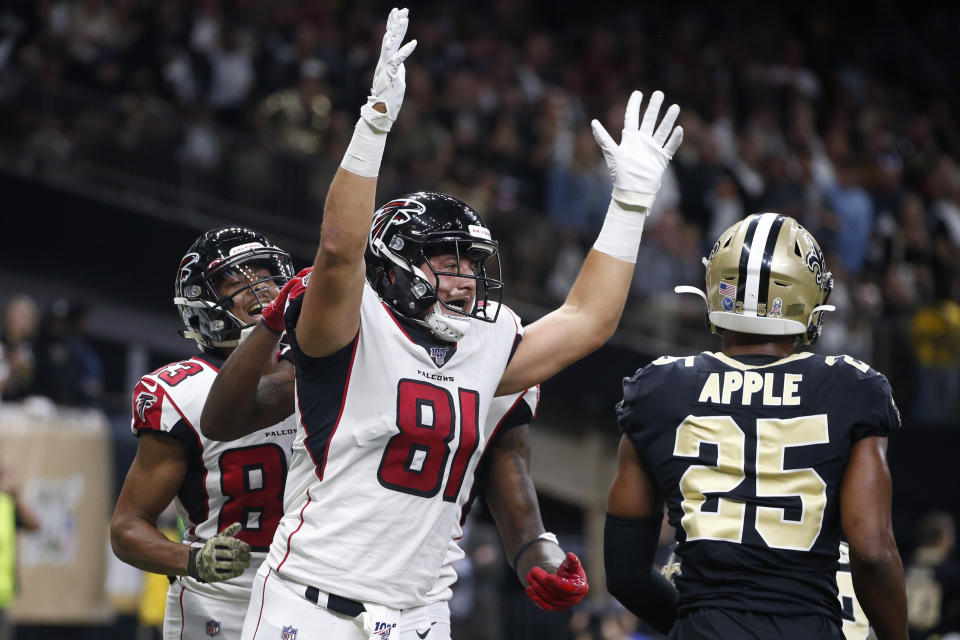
383	629
288	633
439	354
213	627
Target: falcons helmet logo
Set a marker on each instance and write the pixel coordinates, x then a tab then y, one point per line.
395	212
143	402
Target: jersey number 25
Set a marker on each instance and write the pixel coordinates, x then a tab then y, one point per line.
771	480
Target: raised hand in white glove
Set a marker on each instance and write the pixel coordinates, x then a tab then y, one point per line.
638	162
389	78
221	558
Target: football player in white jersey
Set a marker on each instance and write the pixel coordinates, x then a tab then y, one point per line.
228	495
502	476
398	359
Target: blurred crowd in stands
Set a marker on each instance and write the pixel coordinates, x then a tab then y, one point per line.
850	123
48	356
847	122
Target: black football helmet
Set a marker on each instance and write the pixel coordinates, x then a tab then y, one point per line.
407	231
215	255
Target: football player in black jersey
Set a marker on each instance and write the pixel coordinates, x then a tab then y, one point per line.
762	454
855	623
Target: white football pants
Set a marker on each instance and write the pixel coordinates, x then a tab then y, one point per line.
279	611
191	616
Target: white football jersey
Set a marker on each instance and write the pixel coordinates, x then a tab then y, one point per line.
226	482
391	430
505	412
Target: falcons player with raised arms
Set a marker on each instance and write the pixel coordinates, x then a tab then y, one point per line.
229	495
398	358
502	475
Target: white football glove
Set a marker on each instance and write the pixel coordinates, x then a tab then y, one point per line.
221	558
389	79
638	162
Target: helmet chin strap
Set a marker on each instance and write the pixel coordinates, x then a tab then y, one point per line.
822	307
682	288
223	344
446	327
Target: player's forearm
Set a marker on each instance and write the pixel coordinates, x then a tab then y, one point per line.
512	498
347	215
330	315
517	514
596	301
580	326
865	499
879	585
274	397
649	596
140	544
629	545
232	408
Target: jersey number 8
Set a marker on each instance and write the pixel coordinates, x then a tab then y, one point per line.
252	481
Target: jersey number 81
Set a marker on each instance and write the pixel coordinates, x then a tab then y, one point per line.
415	458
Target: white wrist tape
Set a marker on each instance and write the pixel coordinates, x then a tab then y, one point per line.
634	199
620	235
365	151
549	537
546	536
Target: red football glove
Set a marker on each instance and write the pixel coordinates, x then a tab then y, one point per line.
272	314
559	591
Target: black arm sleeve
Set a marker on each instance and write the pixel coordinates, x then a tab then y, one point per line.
628	550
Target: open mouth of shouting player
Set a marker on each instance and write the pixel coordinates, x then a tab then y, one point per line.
245	290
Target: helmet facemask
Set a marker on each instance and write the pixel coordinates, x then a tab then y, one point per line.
209	312
405	235
478	253
416	284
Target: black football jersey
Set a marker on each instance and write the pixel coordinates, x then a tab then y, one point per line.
749	454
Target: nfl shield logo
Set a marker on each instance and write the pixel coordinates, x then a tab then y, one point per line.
288	633
213	628
439	354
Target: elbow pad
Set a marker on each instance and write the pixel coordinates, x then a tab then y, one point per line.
629	547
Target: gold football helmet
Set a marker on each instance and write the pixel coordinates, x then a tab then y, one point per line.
766	275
